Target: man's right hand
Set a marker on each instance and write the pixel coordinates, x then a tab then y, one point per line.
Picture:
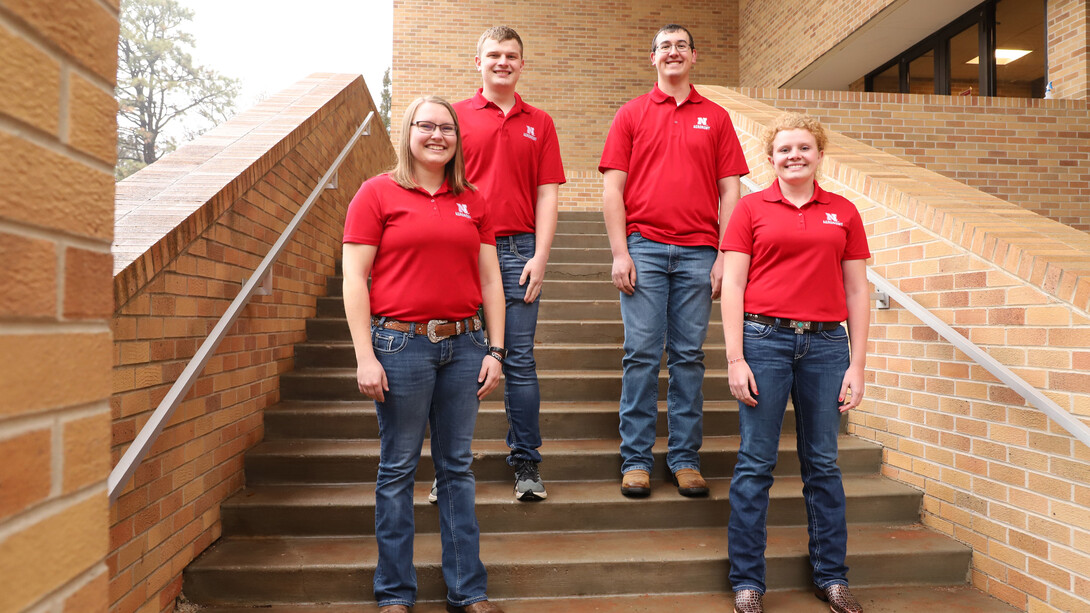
624	274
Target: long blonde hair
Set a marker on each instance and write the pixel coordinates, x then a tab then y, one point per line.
404	173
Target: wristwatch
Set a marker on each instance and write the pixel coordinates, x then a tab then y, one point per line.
498	352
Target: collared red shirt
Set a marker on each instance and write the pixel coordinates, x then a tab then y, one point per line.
428	247
796	253
674	156
508	157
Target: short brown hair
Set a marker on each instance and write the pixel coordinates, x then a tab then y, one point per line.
795	121
499	34
672	27
404	173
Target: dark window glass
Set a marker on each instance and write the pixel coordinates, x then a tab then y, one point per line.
921	74
888	80
964	63
1020	27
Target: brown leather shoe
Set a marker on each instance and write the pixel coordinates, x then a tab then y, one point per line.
690	483
840	599
748	601
394	608
478	607
636	484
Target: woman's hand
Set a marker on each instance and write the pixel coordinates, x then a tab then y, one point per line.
489	377
371	379
851	389
742	383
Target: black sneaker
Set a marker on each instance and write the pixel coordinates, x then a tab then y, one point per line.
528	485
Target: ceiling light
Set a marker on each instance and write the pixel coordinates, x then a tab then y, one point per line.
1004	56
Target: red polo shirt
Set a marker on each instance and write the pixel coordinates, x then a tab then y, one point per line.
508	157
674	156
796	253
428	246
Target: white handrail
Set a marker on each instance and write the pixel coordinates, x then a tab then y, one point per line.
1032	395
138	450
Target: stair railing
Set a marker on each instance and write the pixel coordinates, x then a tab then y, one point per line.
1032	395
138	450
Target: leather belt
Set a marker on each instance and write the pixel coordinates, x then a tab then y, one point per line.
798	326
436	329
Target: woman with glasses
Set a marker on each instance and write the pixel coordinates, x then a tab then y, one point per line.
424	237
794	268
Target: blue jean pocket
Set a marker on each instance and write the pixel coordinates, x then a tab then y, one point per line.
755	330
388	342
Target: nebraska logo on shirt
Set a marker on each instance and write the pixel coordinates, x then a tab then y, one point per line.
701	123
463	211
530	133
830	218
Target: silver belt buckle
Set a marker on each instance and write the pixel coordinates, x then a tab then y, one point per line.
432	336
800	326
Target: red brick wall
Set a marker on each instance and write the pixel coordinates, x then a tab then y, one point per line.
191	227
997	474
1033	153
57	67
583	61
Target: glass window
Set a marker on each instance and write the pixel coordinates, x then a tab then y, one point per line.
964	63
921	74
1019	54
888	80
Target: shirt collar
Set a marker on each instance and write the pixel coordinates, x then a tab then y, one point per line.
479	102
660	96
773	194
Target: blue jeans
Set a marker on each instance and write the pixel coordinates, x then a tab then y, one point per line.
671	306
810	368
432	385
521	393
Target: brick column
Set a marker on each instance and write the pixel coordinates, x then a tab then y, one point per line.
57	131
1068	30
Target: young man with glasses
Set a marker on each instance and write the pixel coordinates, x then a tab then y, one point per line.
513	157
671	167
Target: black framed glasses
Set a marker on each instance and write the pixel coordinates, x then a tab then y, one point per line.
427	127
666	46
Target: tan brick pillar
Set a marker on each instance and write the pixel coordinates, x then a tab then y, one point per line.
1068	29
57	132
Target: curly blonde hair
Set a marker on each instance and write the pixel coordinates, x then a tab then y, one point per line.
795	121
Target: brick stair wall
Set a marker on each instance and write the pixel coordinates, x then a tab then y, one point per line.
190	229
57	131
996	474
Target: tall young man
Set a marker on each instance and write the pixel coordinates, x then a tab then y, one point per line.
513	157
671	166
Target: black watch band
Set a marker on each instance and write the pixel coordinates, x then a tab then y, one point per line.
498	352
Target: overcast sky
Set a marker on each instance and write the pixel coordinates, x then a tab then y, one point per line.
270	44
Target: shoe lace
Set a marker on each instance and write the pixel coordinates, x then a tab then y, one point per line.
527	471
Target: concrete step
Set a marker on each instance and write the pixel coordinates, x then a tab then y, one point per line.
595	255
558	420
344	510
340	569
327	461
551	288
580	240
555	385
586	226
898	599
549	356
548	331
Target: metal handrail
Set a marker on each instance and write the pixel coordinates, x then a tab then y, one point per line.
138	450
1031	394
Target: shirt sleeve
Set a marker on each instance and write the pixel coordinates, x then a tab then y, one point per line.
551	167
739	234
855	247
731	160
484	221
617	152
364	222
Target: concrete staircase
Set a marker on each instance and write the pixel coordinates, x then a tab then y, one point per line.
300	536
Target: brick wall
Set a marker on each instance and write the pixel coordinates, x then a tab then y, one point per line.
1068	31
1033	153
996	474
190	228
781	37
56	212
583	61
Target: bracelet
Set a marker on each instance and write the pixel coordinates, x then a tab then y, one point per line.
496	355
498	352
729	362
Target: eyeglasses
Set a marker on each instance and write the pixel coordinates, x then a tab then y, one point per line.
427	127
666	46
